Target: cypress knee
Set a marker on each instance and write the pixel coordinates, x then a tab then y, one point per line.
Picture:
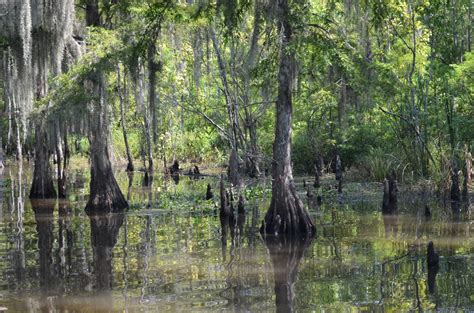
390	194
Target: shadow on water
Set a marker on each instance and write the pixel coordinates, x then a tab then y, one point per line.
286	255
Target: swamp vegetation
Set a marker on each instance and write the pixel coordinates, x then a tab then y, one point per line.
250	155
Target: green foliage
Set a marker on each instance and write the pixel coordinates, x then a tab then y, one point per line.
386	84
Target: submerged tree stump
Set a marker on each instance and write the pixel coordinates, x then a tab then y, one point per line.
390	193
224	195
174	169
241	214
147	180
209	194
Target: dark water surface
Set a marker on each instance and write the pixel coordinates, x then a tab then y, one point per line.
170	253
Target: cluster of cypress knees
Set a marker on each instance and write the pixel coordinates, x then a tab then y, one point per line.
389	203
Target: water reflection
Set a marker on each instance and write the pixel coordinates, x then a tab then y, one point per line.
177	255
390	222
65	238
286	255
104	232
432	260
130	184
43	210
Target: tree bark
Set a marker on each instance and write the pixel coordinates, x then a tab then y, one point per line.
61	163
153	68
287	214
234	168
231	105
42	186
317	182
140	98
224	197
130	167
1	154
105	194
468	161
455	190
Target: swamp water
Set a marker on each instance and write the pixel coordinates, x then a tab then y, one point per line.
170	253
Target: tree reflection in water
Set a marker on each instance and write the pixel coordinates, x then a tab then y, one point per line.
104	233
286	254
43	210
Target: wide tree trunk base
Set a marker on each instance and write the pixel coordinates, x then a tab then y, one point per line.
42	186
44	190
106	200
287	214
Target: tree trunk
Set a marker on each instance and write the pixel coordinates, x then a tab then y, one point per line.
252	155
317	174
455	191
140	97
287	214
130	167
231	105
234	168
341	109
224	197
1	153
468	157
105	194
42	186
61	163
153	68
